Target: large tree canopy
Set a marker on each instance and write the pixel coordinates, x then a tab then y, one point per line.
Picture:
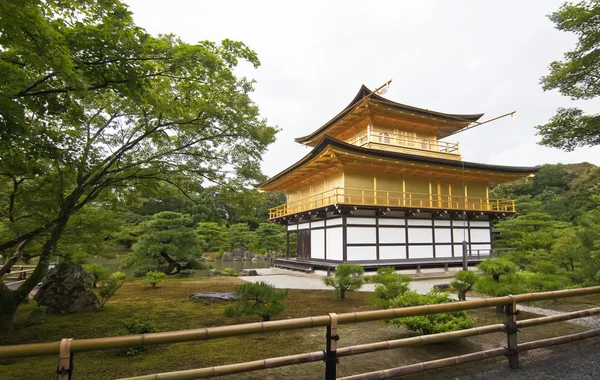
91	106
577	76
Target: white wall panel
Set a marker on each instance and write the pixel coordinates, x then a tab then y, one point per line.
293	227
318	223
303	226
392	235
392	252
351	220
485	247
443	251
460	234
334	244
457	250
317	244
391	222
420	251
442	222
361	253
420	235
480	236
442	235
459	223
334	222
419	222
480	223
361	235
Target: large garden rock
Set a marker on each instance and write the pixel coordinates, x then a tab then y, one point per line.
238	254
212	297
67	288
249	272
214	272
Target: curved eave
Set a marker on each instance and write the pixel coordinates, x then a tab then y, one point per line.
364	92
376	153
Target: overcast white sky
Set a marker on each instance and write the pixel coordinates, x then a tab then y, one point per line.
447	56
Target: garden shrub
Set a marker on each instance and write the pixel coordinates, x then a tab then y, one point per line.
434	323
97	271
347	279
228	272
154	278
136	327
110	287
463	282
390	285
259	299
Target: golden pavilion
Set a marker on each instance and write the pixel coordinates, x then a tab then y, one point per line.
382	186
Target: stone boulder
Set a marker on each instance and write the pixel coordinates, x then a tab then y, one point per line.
249	272
212	297
238	254
67	288
214	272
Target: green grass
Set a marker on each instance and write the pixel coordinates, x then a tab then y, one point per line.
168	308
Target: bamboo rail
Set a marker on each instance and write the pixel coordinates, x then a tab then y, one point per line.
331	321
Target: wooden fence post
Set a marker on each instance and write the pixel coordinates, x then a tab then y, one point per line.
511	334
331	352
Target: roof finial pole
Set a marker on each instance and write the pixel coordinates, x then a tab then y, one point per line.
381	89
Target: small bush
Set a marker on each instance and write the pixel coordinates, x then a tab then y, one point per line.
259	299
110	287
154	278
497	266
390	285
139	272
37	315
347	279
97	271
463	282
228	272
434	323
136	327
186	273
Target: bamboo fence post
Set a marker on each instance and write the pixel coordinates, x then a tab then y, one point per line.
511	334
331	350
65	360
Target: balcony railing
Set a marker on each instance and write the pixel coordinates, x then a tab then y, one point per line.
419	145
359	197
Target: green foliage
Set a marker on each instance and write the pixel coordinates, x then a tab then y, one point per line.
214	235
497	267
97	271
269	237
259	299
389	286
521	282
228	272
137	327
576	77
93	109
463	282
37	315
169	244
154	278
347	279
239	236
110	287
434	323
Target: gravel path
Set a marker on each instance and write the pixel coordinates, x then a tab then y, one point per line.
579	362
592	322
284	279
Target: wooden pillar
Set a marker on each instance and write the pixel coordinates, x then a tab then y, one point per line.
487	197
465	197
439	195
375	189
430	193
449	195
287	243
403	191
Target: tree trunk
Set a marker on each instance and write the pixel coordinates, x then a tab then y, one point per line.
496	277
10	300
8	308
462	295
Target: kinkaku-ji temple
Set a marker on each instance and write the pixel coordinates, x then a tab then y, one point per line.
382	187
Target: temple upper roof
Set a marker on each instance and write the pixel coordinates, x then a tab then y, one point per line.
368	104
329	152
